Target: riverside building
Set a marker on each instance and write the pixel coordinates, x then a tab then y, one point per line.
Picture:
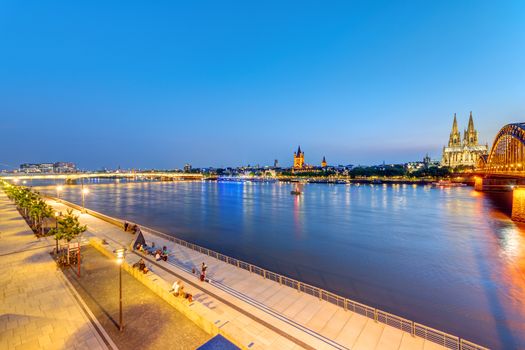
298	159
299	164
466	151
48	168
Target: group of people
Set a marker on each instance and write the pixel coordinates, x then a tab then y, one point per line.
177	289
141	265
134	228
159	254
204	268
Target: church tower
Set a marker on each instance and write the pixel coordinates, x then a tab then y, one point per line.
323	163
464	152
470	137
298	159
455	135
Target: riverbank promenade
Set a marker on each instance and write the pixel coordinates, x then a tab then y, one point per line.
255	312
38	310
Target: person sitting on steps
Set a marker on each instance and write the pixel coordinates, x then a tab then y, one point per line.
176	287
164	253
141	265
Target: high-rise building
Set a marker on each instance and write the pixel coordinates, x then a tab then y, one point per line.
187	168
64	167
464	152
323	163
30	168
58	167
298	159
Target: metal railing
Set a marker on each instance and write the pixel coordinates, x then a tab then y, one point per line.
415	329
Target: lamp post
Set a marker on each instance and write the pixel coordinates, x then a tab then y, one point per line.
120	259
59	188
56	227
84	192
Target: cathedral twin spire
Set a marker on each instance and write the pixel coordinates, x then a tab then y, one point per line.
470	136
455	135
466	151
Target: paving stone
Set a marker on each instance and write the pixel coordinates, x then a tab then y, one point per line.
32	294
275	308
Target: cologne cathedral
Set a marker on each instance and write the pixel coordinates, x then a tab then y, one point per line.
466	151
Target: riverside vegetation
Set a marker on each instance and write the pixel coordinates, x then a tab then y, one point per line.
37	213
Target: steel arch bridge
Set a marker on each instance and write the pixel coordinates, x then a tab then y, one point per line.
507	155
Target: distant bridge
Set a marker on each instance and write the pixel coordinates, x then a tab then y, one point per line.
78	176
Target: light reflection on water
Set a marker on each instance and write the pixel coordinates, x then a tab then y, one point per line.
446	258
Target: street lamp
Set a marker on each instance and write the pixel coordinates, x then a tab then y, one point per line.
56	228
59	188
120	259
84	192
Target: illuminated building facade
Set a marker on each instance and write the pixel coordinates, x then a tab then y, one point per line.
47	168
466	151
298	159
323	163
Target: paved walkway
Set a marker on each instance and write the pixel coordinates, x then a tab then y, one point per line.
37	308
261	313
149	322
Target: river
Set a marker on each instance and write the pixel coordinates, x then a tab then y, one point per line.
447	258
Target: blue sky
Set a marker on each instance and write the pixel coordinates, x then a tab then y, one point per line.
225	83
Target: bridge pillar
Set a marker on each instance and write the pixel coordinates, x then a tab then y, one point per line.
518	204
478	183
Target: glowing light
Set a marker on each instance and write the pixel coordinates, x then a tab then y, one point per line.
85	191
59	188
120	255
475	194
512	242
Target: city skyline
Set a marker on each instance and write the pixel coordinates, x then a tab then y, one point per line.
166	85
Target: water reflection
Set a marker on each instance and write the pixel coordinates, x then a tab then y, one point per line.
449	258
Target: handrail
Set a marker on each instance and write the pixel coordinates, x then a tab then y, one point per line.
415	329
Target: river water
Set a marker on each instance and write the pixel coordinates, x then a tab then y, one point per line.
447	258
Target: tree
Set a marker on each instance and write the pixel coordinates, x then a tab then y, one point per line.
39	211
24	198
68	227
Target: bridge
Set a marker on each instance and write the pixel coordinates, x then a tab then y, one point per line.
71	177
507	155
503	169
